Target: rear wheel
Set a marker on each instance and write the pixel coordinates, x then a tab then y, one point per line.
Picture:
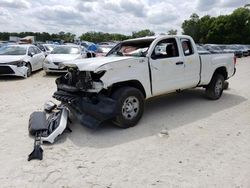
130	103
29	69
226	85
47	73
215	88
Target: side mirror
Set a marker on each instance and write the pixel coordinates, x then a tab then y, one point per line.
157	51
141	54
31	54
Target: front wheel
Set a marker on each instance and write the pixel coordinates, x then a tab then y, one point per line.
29	69
130	103
215	88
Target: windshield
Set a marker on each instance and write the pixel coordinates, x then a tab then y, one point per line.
215	47
13	50
199	48
48	47
137	48
104	49
231	47
65	50
242	47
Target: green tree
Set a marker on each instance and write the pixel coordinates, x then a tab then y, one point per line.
102	37
172	32
142	33
226	29
191	27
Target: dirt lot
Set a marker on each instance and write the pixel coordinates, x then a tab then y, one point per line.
207	143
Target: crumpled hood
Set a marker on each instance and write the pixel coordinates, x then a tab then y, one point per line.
11	58
62	57
91	64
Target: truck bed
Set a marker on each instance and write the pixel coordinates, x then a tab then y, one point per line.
210	62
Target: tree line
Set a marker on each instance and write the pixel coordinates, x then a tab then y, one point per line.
226	29
44	36
69	37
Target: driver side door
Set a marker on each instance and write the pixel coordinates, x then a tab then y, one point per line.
167	67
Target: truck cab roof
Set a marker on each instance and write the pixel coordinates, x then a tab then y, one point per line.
152	38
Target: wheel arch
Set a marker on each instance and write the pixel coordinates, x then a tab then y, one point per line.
222	71
132	83
30	65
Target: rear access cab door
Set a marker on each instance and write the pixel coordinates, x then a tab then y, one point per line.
192	64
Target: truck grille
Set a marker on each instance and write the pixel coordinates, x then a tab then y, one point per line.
65	97
6	70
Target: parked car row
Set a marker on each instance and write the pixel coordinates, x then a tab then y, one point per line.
238	50
23	59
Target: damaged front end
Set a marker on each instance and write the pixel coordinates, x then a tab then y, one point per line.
81	92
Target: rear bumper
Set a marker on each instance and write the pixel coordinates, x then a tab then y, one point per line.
12	70
234	71
238	55
89	112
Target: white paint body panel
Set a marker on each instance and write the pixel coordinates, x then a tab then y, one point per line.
211	62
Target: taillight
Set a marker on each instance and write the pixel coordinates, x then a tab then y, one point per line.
234	60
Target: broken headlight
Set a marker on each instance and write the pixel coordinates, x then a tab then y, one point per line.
17	63
96	76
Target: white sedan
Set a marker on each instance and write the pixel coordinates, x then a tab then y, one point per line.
20	60
63	53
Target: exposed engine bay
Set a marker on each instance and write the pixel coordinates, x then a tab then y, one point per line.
80	81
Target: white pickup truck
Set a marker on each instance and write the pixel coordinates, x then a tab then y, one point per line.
115	87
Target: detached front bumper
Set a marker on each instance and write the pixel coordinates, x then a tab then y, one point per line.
89	112
6	70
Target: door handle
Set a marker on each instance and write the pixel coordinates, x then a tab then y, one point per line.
179	63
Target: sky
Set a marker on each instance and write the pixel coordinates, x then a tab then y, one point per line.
113	16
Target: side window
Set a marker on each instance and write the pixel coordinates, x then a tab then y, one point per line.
31	51
166	48
37	50
187	47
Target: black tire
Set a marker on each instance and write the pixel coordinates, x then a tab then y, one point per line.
215	88
29	69
47	73
130	106
226	85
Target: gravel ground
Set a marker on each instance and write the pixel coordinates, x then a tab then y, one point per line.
205	143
